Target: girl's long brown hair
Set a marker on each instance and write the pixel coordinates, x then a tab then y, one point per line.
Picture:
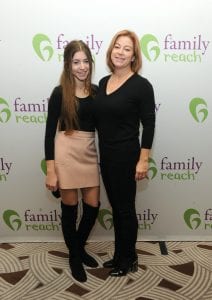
69	104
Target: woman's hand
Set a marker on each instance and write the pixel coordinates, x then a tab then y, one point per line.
141	169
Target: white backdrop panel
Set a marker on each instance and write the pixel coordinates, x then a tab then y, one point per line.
175	202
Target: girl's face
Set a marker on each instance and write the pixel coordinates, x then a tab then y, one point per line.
123	52
80	66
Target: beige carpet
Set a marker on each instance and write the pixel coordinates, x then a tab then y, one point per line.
40	271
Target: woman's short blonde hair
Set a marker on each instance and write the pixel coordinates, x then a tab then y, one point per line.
137	62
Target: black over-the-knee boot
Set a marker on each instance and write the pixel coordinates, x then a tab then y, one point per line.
86	224
68	222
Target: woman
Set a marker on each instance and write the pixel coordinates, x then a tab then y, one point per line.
70	153
124	100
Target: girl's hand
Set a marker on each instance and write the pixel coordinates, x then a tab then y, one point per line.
51	181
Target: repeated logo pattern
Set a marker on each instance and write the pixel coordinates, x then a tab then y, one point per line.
43	46
198	109
43	166
150	47
192	218
5	112
105	219
165	169
12	219
193	49
152	169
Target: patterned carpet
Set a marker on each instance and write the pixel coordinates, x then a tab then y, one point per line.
40	271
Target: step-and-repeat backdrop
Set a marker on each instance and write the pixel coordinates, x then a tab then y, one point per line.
174	203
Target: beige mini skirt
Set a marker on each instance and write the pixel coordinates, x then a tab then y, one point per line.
76	160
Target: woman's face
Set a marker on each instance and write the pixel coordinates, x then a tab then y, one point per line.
80	66
123	52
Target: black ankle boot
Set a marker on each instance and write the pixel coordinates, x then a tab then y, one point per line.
87	259
68	222
77	269
87	222
123	270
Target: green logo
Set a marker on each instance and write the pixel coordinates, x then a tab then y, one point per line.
192	218
42	46
152	169
12	219
150	47
5	113
105	219
43	166
198	109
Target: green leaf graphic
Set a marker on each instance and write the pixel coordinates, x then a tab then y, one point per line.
43	166
105	216
37	43
191	219
7	217
198	113
5	113
146	46
152	168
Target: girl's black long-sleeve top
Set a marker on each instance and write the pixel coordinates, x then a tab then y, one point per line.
118	116
84	114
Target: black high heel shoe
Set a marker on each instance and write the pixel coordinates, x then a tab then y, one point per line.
122	271
112	263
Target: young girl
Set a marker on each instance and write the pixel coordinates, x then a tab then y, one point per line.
70	153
